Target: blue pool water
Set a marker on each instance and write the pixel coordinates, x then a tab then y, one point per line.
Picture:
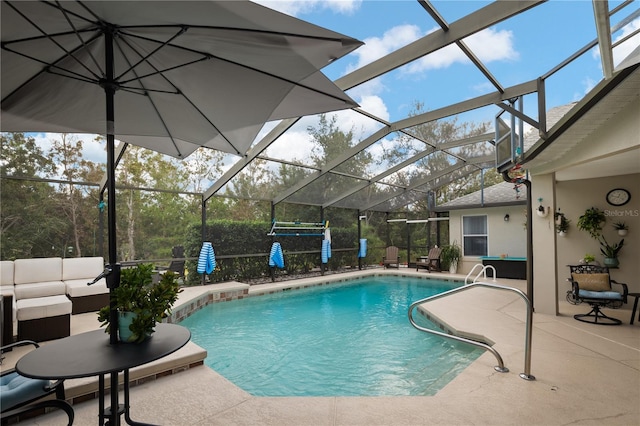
348	339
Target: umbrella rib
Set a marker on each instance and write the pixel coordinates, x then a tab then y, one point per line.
144	58
65	13
207	56
155	108
71	74
50	38
178	91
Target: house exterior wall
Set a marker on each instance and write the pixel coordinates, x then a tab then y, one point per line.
503	237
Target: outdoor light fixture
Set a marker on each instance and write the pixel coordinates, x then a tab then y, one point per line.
506	217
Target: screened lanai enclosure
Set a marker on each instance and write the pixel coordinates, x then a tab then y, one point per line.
438	110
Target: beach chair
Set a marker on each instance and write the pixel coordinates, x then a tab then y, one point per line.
592	284
20	395
432	262
391	257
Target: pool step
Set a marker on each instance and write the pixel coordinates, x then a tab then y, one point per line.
189	356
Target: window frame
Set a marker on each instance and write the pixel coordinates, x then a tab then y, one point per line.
466	235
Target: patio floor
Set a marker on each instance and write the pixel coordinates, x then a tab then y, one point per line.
585	374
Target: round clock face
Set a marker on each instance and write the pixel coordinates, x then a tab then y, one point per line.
618	197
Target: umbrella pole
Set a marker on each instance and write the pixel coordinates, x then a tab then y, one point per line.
113	279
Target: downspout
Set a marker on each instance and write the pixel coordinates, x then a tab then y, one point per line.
527	184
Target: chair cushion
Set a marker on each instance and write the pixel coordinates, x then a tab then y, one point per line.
605	295
43	307
592	282
16	389
37	270
79	288
79	268
6	273
40	289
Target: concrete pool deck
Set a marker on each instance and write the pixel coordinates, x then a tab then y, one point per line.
585	374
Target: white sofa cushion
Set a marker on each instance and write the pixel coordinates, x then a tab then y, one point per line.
43	307
79	288
6	274
80	268
42	289
37	270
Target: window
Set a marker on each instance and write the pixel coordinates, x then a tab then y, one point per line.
474	235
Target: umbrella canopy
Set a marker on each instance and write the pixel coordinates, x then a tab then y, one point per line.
165	75
185	74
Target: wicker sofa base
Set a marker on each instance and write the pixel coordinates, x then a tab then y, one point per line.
43	329
92	303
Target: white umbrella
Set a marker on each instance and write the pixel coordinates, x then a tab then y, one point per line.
165	75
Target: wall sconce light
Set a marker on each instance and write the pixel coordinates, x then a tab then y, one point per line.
541	210
506	217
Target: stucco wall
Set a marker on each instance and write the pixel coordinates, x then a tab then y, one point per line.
503	237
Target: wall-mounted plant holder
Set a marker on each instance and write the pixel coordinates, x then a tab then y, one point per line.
622	228
542	211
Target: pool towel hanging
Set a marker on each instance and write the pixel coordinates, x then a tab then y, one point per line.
207	259
327	235
326	251
276	258
363	248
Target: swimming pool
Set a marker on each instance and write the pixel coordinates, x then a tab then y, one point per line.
346	339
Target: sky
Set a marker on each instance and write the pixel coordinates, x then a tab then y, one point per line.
518	50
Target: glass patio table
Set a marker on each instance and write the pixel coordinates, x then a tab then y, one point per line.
91	354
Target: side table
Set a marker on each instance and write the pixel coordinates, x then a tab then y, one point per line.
635	306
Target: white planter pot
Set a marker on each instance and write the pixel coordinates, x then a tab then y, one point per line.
622	232
562	233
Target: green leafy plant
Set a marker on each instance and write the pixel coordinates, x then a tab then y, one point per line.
610	250
450	255
562	223
588	258
620	226
592	221
149	302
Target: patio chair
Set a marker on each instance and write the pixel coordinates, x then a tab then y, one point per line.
391	257
21	395
432	262
592	284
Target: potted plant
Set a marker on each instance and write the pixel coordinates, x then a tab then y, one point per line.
140	303
588	259
610	252
450	256
621	227
562	224
592	221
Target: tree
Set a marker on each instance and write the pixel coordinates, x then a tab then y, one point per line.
66	154
28	219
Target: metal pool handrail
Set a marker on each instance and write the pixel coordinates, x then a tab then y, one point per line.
482	271
500	367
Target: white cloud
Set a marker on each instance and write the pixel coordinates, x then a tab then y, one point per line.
376	47
92	150
488	45
299	7
623	50
626	48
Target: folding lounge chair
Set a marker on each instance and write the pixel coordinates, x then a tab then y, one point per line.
592	284
21	395
432	263
391	257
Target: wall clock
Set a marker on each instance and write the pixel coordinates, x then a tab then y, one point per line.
618	197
